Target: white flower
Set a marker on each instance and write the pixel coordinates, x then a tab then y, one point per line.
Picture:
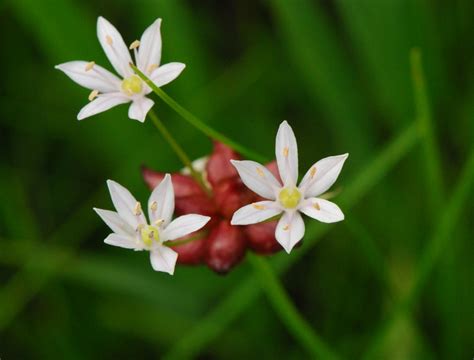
132	231
109	90
288	198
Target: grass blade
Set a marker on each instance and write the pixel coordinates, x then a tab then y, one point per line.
429	257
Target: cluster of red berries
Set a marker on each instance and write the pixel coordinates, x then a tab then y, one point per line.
219	245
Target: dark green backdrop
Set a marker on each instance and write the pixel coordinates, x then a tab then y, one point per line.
393	281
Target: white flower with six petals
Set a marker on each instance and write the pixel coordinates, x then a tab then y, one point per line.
132	231
108	90
287	198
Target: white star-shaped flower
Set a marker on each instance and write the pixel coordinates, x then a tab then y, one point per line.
288	198
132	231
109	90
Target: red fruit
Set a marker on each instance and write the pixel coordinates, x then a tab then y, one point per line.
225	247
261	238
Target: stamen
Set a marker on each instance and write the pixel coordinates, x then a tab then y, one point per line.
285	152
152	67
313	172
134	44
286	227
137	209
154	206
93	95
316	206
108	39
158	222
260	172
258	206
140	227
90	65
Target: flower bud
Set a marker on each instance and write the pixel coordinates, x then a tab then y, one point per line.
225	247
191	253
261	238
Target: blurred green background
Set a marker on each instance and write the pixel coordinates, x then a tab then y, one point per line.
393	281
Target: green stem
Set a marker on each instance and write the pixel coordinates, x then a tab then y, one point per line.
196	122
424	120
287	311
177	149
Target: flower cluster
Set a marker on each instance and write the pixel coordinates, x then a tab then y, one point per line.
235	205
221	246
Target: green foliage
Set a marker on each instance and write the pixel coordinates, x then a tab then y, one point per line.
394	281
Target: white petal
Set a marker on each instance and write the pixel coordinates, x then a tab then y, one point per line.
161	201
167	73
286	152
97	78
257	178
163	259
126	204
322	210
121	241
322	175
184	225
115	222
114	47
139	108
102	103
290	230
149	52
255	213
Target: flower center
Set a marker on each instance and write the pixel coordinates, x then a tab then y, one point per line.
132	85
149	234
289	197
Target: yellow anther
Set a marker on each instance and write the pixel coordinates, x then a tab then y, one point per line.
158	222
316	206
137	210
258	207
154	206
260	172
286	227
93	95
312	172
140	227
108	39
134	44
152	67
285	152
90	65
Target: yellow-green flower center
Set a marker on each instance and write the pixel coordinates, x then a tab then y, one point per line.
149	234
289	197
132	85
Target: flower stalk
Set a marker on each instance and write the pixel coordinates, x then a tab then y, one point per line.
194	121
288	311
179	151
